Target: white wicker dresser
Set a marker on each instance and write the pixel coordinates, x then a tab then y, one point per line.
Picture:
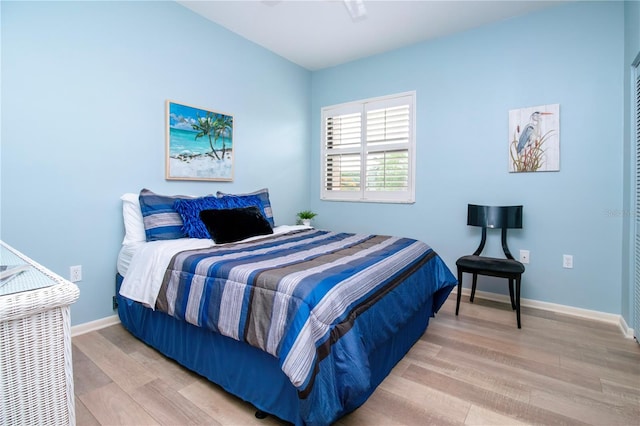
36	373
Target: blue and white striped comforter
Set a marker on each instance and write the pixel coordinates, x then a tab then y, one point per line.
294	295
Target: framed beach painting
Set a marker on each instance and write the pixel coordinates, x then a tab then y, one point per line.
534	139
199	144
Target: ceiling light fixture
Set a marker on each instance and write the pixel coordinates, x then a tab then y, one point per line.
356	9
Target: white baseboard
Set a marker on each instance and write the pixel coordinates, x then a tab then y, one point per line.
557	308
546	306
628	331
79	329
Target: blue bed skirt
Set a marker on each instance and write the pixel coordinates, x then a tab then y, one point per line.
249	373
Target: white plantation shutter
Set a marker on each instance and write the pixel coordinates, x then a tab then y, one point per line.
387	170
342	142
343	172
368	150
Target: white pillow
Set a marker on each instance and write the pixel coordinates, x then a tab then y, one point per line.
133	224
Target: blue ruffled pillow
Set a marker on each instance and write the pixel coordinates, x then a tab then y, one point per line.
190	210
263	194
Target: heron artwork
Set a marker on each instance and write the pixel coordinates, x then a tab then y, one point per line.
531	131
534	144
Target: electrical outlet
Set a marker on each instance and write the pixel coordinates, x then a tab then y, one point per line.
524	256
75	273
567	261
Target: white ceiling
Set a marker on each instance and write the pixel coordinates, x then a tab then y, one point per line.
317	34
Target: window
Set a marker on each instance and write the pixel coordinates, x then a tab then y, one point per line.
368	150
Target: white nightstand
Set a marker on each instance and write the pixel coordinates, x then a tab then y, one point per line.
36	372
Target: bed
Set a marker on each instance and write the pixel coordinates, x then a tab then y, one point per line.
302	323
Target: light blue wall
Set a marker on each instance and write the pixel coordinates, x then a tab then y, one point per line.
631	55
466	84
84	86
83	91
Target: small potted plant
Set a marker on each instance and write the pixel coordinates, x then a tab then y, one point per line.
305	217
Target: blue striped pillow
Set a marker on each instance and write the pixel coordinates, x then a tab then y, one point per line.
161	221
263	194
189	210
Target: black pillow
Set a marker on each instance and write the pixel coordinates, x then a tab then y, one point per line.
230	225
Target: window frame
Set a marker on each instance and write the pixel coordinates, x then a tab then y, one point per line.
363	195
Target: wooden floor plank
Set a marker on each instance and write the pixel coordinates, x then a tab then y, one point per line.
551	371
111	405
494	401
479	416
122	369
84	416
158	365
400	410
477	368
588	410
121	338
628	391
367	416
169	407
224	407
439	404
530	379
87	375
481	378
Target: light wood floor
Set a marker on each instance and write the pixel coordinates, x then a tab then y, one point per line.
475	369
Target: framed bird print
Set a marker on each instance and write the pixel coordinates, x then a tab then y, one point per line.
199	144
534	139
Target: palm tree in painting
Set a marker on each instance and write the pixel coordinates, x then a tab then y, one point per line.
205	127
222	127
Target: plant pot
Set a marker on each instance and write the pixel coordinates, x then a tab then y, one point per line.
306	222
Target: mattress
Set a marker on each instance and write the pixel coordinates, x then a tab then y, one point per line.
125	255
